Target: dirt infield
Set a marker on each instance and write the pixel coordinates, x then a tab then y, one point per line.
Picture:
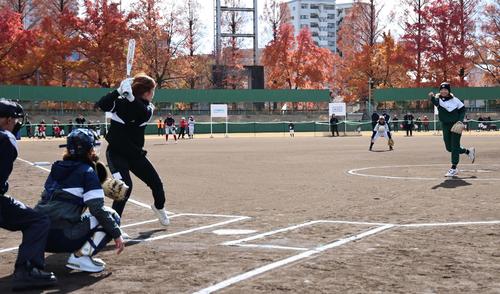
329	216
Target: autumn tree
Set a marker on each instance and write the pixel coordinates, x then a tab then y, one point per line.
14	47
60	41
196	66
297	63
415	37
104	32
358	37
390	64
487	46
275	14
28	11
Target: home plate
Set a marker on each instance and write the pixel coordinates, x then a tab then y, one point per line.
41	163
233	232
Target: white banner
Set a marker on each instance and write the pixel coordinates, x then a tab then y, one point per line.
218	110
337	108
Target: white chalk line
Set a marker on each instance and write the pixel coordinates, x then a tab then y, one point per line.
356	172
266	246
291	259
190	230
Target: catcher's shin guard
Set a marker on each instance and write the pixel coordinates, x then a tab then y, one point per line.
94	243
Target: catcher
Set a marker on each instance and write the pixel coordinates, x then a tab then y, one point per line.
451	115
72	187
381	129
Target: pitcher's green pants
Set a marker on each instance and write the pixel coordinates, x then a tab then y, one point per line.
452	143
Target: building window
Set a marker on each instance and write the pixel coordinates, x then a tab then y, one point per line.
314	25
314	6
331	35
314	15
304	17
315	34
292	18
304	6
331	25
304	26
331	16
329	7
331	43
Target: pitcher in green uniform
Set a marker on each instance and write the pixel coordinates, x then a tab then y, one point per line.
451	115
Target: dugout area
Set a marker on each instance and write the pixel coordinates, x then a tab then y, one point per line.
328	216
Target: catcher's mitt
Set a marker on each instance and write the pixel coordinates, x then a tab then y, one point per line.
101	171
391	142
115	189
458	128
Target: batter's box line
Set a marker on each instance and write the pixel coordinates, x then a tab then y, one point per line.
311	253
241	242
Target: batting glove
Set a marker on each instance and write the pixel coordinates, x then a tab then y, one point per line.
125	89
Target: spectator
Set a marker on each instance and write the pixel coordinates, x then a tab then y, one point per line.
41	130
80	121
161	127
70	126
426	123
183	125
191	123
466	123
408	124
56	129
418	123
395	123
28	128
334	121
374	119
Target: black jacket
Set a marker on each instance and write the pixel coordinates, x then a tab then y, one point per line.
8	154
128	124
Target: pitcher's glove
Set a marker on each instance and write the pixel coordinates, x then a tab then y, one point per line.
115	189
458	127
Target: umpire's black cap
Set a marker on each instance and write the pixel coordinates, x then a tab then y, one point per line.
10	109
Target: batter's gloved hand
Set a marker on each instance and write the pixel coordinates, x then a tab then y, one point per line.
458	128
115	189
125	89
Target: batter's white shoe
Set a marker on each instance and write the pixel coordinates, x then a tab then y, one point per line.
472	154
162	215
85	264
451	172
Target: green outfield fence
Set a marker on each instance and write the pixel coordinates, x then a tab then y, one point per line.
351	127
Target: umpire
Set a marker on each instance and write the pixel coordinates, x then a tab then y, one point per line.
14	215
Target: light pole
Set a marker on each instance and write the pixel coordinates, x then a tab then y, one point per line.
370	81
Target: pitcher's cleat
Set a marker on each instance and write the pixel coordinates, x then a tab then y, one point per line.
472	154
451	172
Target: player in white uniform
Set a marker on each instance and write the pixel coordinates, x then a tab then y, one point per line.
191	123
381	129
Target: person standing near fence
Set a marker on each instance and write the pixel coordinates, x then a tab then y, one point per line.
80	121
291	129
375	117
191	123
334	125
132	108
160	126
451	114
182	127
425	122
170	127
408	123
395	123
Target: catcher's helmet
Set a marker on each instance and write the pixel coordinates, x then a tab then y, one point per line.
80	141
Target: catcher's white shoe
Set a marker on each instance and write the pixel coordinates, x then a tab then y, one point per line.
162	215
85	263
472	154
451	172
125	236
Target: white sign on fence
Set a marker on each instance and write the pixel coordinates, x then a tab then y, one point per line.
218	110
337	108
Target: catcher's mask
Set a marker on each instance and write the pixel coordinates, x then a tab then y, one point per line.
81	141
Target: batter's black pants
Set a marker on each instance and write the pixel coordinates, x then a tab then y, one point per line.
121	166
15	216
